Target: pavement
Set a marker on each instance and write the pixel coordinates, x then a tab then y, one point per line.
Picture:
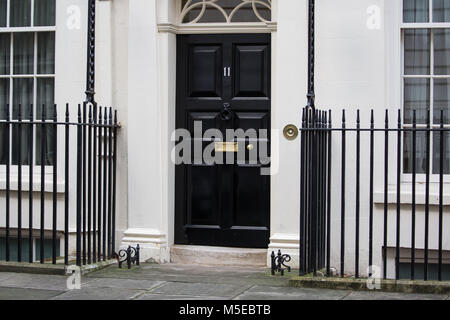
179	282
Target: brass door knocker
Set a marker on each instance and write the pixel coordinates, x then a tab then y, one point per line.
226	112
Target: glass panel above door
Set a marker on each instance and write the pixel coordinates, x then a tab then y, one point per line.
225	11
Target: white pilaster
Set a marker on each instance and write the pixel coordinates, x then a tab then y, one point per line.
289	69
146	209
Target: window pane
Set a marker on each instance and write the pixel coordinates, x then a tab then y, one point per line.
20	13
441	100
23	95
211	14
442	51
437	152
46	53
417	97
3	8
4	101
421	160
44	12
5	43
4	97
24	147
415	11
441	10
23	53
246	13
45	96
417	51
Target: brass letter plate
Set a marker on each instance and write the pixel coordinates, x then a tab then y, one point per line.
226	146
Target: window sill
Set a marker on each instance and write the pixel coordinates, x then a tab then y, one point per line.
60	186
406	194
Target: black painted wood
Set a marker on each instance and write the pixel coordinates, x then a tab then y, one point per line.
223	204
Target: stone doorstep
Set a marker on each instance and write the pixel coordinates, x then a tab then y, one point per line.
400	286
218	256
50	269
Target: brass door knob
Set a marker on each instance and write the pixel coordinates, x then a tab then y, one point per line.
250	147
290	132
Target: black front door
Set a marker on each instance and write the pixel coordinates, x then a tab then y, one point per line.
223	82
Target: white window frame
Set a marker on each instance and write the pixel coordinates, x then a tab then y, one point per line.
421	177
11	76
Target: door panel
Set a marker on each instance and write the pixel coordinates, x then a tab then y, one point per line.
250	201
204	206
204	76
223	204
251	74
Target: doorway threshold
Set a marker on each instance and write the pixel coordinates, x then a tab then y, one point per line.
218	256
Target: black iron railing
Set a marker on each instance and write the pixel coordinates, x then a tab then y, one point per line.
95	146
317	194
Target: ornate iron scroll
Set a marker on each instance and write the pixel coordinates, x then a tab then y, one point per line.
278	262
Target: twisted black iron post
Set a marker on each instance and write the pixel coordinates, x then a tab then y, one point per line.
309	174
90	72
90	100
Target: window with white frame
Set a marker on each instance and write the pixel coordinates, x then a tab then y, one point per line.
27	75
225	11
426	79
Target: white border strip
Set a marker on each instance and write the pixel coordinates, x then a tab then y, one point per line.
203	28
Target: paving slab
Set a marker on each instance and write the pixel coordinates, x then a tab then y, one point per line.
35	281
152	296
361	295
122	283
98	294
283	293
200	289
6	275
26	294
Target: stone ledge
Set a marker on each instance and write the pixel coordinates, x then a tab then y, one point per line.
402	286
50	269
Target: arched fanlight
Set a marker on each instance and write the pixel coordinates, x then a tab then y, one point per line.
194	10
